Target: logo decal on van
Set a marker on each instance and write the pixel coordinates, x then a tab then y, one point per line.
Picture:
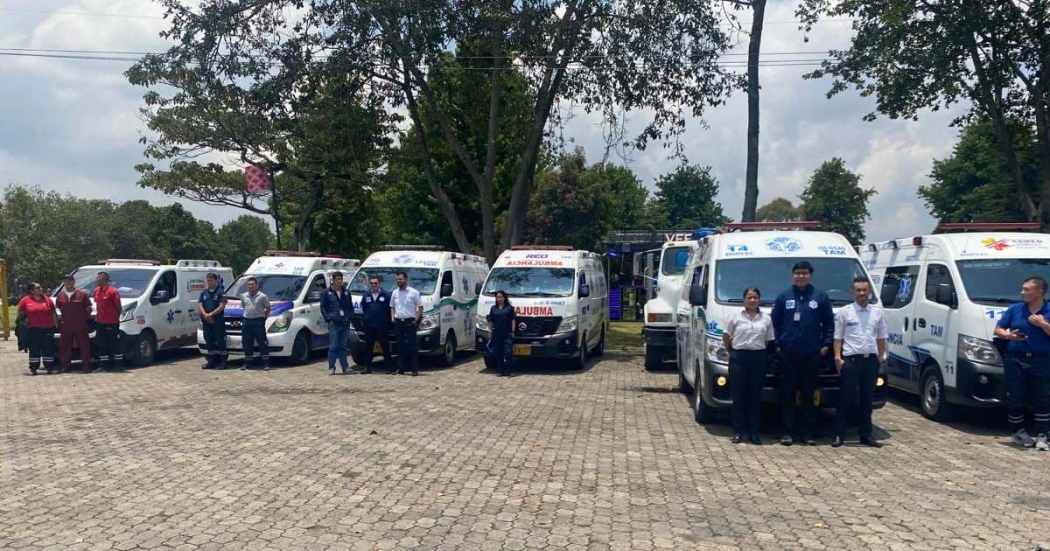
1003	244
534	310
784	245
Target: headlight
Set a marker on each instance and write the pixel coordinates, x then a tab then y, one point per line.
567	324
281	324
658	318
429	321
716	352
482	323
979	350
128	313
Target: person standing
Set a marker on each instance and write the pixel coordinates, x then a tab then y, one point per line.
211	305
1026	329
375	307
253	329
41	322
502	324
406	311
75	307
107	324
336	308
860	349
746	336
804	324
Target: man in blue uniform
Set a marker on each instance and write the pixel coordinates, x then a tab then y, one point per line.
210	306
804	324
336	308
1026	327
375	305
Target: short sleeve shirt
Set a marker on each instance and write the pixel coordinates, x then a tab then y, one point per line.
749	333
860	329
501	319
1016	317
255	306
212	299
405	302
39	313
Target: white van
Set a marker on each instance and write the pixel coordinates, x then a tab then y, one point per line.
159	302
561	300
658	331
448	283
293	281
727	263
943	294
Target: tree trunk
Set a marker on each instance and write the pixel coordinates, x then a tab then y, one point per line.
488	220
304	226
1042	128
754	50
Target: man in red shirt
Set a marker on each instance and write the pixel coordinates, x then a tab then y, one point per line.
75	307
40	318
107	324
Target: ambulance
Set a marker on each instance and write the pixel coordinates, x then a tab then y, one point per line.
943	294
658	331
159	302
561	300
448	282
754	254
293	281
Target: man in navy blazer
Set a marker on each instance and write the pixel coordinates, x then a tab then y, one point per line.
375	305
337	306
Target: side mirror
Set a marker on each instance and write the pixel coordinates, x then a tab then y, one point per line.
446	290
585	290
160	295
697	295
946	295
477	288
312	297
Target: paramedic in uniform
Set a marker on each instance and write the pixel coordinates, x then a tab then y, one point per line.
860	348
107	324
406	311
210	306
75	307
746	335
40	317
1026	328
804	324
375	307
253	330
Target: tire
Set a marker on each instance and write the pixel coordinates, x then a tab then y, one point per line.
300	349
490	362
145	349
932	396
702	413
448	353
683	384
652	359
600	349
580	362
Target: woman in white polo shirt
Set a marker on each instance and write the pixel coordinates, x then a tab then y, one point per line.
746	335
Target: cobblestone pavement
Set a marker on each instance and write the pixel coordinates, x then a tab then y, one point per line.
172	457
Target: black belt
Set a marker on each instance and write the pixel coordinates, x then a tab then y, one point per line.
864	356
1030	354
402	320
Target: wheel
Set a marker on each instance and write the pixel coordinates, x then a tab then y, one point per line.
145	349
490	362
448	354
581	360
683	384
652	358
935	404
300	349
703	413
600	349
360	358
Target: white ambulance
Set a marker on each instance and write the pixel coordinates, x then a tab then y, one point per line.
658	331
755	254
561	300
293	281
159	302
943	294
448	283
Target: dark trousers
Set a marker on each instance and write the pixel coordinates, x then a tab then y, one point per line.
856	385
407	345
372	336
68	335
215	341
337	336
502	347
41	348
107	340
1028	384
747	372
798	373
253	333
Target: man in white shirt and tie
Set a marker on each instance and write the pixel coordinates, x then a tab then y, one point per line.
406	311
860	349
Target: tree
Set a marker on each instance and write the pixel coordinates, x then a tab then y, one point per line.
245	238
686	199
754	49
835	199
932	55
779	210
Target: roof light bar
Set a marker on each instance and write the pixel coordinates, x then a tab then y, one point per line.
291	253
541	248
988	226
411	248
766	226
135	261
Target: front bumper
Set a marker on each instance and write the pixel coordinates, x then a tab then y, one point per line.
557	346
978	384
661	339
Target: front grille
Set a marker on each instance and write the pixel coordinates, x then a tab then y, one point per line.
233	326
537	327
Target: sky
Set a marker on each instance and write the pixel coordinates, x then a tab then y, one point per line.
73	126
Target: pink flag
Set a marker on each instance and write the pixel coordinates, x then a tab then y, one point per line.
258	180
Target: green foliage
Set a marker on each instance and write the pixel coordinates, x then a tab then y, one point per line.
835	199
244	239
779	210
974	184
685	198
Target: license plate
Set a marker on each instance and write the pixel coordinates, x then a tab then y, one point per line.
377	348
521	350
816	398
233	342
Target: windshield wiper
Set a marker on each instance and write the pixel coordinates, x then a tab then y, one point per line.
996	300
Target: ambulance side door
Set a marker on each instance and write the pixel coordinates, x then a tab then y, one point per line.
897	296
934	311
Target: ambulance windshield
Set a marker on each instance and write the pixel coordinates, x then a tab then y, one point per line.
531	282
674	260
999	281
772	276
275	287
129	283
423	280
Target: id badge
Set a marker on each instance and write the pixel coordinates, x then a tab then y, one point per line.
798	315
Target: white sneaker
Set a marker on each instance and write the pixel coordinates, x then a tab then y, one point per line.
1041	443
1022	439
